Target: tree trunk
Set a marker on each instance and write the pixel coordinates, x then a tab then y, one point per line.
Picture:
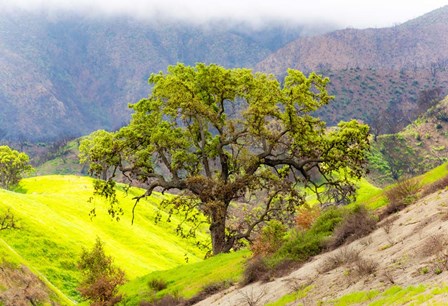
220	242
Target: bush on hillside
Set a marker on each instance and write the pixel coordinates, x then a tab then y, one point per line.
355	225
167	300
306	216
13	165
339	258
256	270
207	291
297	248
402	194
270	240
101	278
302	245
157	284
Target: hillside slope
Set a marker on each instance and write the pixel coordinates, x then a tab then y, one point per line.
67	75
403	261
420	146
55	227
374	72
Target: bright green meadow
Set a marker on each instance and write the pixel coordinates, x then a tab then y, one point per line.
55	226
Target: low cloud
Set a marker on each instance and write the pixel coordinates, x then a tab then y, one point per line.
346	13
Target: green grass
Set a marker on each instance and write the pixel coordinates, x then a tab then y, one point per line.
434	174
292	297
188	280
55	226
356	298
374	197
396	295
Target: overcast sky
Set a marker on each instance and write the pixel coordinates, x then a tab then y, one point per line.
344	13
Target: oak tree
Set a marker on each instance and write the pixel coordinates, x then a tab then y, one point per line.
13	165
241	147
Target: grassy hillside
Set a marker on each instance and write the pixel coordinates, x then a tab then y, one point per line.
188	280
55	226
421	146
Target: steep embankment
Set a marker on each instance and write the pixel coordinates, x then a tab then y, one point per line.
404	260
55	226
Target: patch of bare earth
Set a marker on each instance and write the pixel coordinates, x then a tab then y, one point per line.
19	286
408	248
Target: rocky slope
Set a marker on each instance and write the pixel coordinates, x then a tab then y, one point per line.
404	260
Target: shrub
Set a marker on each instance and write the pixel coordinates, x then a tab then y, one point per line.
13	165
364	267
256	270
208	290
328	220
167	300
100	277
306	216
357	224
402	194
339	258
433	245
301	245
270	240
157	284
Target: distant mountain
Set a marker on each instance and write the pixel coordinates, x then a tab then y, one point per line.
374	72
67	76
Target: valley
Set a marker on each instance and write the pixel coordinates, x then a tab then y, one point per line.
210	162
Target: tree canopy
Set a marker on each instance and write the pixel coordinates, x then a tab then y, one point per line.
13	164
242	147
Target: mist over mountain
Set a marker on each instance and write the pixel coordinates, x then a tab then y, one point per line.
64	75
70	75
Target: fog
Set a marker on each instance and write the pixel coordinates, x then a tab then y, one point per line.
344	13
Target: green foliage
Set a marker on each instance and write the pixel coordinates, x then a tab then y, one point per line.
400	156
302	245
100	277
13	165
188	280
271	238
98	150
55	224
157	284
229	135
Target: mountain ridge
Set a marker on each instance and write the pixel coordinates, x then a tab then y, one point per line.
67	76
374	72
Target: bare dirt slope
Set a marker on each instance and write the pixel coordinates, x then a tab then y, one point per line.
408	248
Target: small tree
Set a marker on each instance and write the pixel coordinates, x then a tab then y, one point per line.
101	277
8	220
13	164
225	136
